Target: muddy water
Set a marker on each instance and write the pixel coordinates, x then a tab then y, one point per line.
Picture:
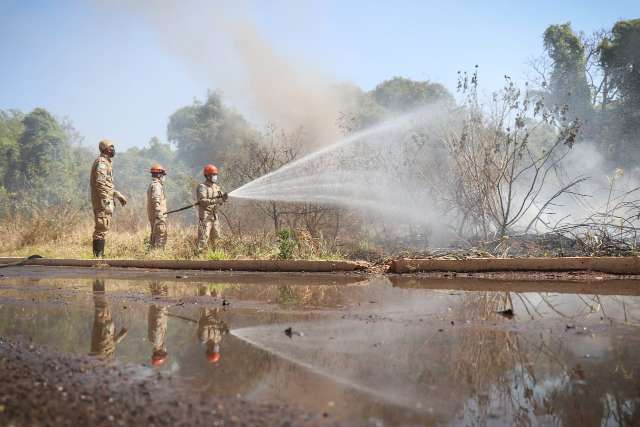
401	353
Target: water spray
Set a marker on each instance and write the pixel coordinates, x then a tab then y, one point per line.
371	171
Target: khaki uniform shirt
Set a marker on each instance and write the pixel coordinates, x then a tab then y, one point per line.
102	188
156	201
207	203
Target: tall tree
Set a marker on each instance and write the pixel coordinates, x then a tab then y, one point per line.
44	164
620	56
203	132
620	59
43	157
568	85
393	96
11	128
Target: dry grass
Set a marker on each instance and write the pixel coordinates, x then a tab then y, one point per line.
67	234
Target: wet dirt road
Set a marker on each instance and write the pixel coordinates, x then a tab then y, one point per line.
343	349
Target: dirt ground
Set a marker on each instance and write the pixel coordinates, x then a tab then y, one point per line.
41	387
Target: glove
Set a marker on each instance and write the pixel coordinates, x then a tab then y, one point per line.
224	196
108	206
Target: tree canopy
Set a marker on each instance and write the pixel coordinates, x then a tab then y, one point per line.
568	83
40	165
620	56
402	94
205	131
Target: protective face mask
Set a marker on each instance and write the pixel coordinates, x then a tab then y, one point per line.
214	178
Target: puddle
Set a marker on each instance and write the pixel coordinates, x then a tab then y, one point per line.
359	349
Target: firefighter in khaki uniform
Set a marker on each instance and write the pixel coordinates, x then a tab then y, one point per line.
102	195
157	322
157	207
211	329
209	197
104	338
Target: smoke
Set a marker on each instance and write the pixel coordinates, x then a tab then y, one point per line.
219	42
605	186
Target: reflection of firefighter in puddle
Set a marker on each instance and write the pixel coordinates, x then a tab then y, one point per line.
211	328
158	317
103	335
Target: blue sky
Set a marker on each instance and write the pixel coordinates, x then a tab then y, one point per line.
107	69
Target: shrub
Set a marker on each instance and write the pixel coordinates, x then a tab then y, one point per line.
287	244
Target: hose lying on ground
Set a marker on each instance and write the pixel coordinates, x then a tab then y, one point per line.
21	262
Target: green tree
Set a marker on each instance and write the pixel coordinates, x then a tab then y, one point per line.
393	96
402	94
620	60
11	128
620	57
568	83
42	163
46	158
204	132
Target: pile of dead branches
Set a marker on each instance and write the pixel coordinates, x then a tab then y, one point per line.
612	231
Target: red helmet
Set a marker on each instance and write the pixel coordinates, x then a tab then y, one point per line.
210	170
213	357
157	168
158	359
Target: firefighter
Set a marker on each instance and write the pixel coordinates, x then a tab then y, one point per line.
157	324
210	197
211	329
103	194
103	334
157	207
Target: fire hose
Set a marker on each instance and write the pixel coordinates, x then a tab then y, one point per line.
223	196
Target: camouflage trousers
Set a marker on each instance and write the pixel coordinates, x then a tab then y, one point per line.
101	224
158	238
208	231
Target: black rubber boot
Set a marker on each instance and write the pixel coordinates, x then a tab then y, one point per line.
98	248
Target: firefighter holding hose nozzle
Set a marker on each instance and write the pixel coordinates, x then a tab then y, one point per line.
211	329
210	197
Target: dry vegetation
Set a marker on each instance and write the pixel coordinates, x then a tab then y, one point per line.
67	234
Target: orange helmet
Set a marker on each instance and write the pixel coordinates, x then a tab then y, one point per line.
213	357
157	168
158	359
210	170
